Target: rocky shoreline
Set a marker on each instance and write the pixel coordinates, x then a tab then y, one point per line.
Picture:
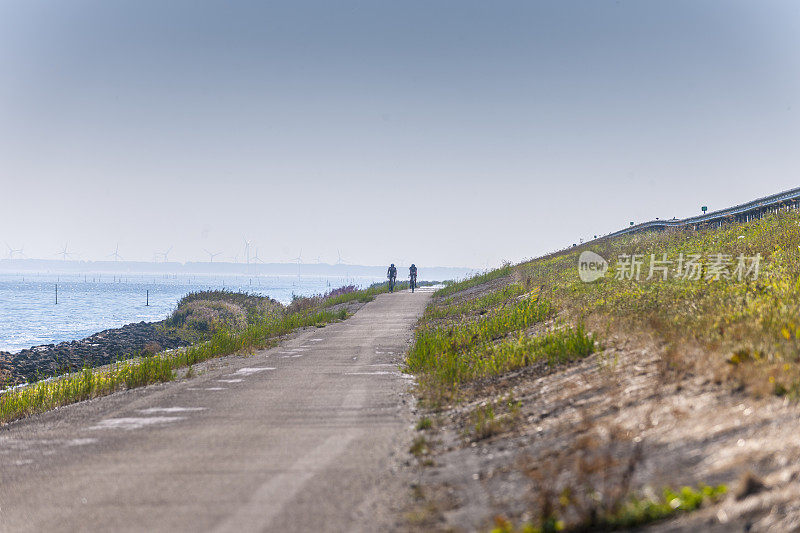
99	349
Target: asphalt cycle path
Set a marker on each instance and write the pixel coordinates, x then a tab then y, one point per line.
301	437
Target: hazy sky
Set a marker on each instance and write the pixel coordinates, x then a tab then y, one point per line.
448	133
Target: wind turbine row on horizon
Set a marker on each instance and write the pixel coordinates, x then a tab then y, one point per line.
162	256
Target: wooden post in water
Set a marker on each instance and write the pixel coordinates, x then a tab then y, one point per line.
147	301
56	293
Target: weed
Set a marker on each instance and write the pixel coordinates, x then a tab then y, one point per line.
420	447
424	423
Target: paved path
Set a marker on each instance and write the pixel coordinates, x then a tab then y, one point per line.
296	438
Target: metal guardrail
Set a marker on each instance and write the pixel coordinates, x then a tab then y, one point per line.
739	213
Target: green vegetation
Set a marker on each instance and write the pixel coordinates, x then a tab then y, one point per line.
420	447
747	324
487	420
463	348
638	511
721	304
200	314
635	511
424	424
748	327
49	394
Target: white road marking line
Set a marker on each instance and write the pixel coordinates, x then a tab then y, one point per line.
377	373
80	442
252	370
215	388
153	410
316	340
135	422
230	380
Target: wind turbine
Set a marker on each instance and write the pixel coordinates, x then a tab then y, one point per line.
257	259
247	249
211	255
339	261
299	260
64	253
116	255
12	251
164	254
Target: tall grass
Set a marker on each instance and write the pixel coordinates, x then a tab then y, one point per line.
496	342
449	367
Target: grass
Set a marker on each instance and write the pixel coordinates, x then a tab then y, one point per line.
742	331
198	315
747	328
424	424
488	420
465	349
633	512
90	383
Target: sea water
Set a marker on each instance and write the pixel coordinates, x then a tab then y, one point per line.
29	315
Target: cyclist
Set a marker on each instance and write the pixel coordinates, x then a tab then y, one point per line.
392	275
412	275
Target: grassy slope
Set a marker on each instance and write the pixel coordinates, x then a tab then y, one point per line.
540	314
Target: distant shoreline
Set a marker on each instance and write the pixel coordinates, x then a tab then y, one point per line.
53	266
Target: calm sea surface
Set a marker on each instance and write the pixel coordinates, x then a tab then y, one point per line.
90	303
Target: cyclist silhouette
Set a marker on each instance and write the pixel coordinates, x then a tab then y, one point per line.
392	275
412	276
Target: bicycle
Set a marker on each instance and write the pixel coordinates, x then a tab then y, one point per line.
413	282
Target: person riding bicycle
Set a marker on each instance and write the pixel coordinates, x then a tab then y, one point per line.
392	275
412	276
